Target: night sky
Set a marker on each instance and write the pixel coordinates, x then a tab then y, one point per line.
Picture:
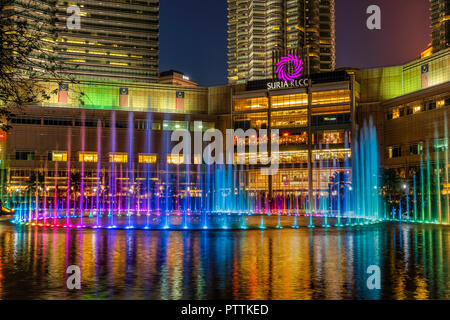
193	36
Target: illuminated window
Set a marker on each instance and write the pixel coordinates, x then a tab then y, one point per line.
331	137
144	125
118	157
394	152
251	120
175	125
417	109
287	138
197	159
76	51
395	113
88	157
175	159
416	148
290	100
290	119
147	158
57	156
251	104
440	145
202	126
330	97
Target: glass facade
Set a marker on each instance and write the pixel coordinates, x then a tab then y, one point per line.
290	100
331	135
260	31
289	119
115	42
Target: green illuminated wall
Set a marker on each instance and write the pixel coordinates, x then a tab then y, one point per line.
141	97
387	83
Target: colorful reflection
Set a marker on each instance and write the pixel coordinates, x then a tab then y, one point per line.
269	264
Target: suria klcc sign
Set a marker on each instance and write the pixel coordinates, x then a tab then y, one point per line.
289	71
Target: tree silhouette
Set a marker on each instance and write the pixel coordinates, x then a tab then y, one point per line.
75	181
37	180
28	61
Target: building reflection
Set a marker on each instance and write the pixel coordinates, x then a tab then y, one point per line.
273	264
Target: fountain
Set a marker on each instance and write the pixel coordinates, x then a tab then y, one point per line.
428	184
204	197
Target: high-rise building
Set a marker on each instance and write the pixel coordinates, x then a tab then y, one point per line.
116	40
440	24
259	31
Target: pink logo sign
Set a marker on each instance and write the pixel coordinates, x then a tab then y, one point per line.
290	62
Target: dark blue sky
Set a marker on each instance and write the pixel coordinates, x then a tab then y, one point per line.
193	36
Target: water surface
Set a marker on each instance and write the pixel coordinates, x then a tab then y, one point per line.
241	264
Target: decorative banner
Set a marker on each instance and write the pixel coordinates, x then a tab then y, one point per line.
123	97
424	71
179	103
63	93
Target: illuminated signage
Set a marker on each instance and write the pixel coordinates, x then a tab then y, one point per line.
298	83
289	71
289	68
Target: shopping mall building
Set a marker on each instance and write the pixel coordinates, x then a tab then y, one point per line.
131	123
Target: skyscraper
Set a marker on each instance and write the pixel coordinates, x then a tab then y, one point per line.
260	30
440	24
115	40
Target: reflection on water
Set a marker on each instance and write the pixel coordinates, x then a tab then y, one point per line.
270	264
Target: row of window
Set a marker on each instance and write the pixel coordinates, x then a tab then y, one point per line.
289	119
292	100
301	138
416	107
417	148
138	124
92	157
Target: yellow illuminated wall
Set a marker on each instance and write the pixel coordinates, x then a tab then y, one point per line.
387	83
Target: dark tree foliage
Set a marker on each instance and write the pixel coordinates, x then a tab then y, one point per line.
36	180
75	181
391	182
27	58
